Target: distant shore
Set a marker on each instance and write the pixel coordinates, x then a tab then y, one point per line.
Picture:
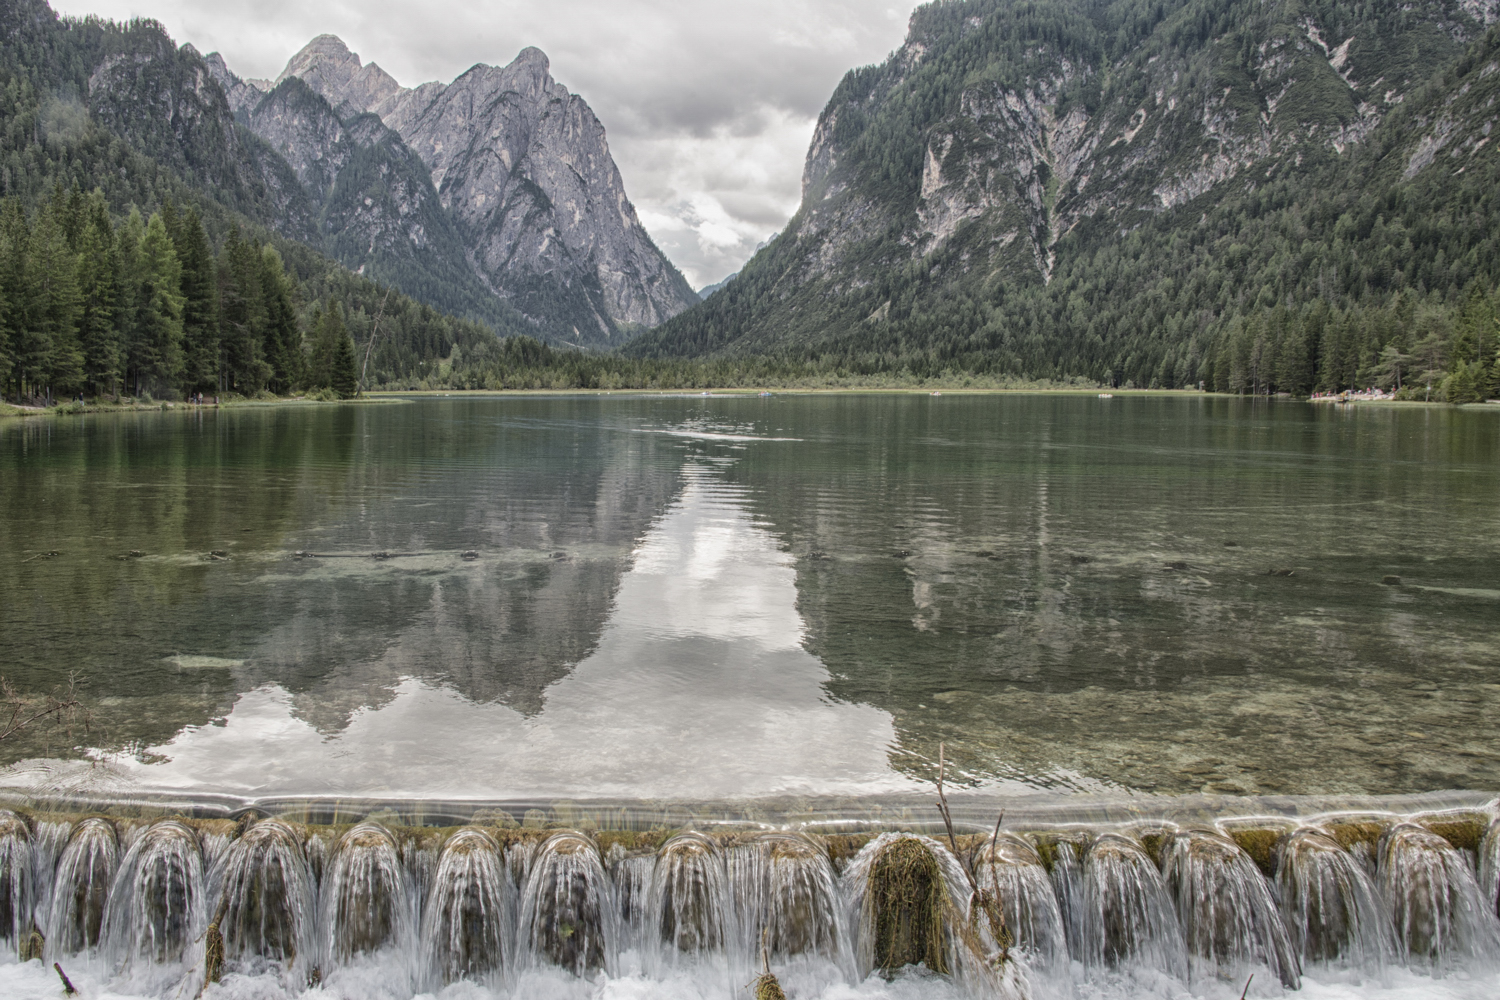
74	408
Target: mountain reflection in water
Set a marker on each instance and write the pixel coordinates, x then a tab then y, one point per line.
741	596
698	687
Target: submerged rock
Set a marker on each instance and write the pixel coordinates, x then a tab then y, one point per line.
468	908
1013	884
690	894
17	895
786	896
157	905
1439	916
365	895
1230	919
81	885
566	916
1129	919
267	901
1329	904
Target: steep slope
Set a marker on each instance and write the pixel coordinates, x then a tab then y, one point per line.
964	201
524	170
377	212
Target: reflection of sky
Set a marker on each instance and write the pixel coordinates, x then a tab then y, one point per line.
699	688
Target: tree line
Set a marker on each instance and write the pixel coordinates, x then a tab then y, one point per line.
149	308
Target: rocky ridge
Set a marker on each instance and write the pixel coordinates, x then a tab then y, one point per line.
1002	138
519	166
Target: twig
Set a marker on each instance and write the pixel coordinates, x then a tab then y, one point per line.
943	800
1246	991
23	710
67	985
374	329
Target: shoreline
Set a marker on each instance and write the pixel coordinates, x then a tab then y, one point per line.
383	396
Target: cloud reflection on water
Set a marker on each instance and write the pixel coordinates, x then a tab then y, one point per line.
699	688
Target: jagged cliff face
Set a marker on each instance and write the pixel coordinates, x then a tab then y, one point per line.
1003	139
1062	138
520	166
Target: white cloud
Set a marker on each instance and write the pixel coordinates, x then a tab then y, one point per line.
709	104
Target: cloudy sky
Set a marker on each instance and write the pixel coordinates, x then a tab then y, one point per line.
709	104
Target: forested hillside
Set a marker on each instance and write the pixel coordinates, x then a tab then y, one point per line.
136	248
1283	196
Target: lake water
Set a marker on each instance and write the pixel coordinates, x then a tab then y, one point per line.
728	597
688	609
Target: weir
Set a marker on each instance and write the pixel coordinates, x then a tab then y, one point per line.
1015	912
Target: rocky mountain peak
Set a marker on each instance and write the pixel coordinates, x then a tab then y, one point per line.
515	166
327	66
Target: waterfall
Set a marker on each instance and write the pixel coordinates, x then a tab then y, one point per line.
688	902
1064	860
631	874
1129	919
787	898
1489	867
17	898
1439	916
401	910
156	909
1009	870
1329	904
568	913
81	887
1226	908
468	909
366	901
267	900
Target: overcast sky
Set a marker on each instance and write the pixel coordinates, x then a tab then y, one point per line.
709	104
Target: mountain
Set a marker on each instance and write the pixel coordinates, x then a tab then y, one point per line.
1104	188
708	290
533	207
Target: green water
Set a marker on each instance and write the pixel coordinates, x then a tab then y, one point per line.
753	596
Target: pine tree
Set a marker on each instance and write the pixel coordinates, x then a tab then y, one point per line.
159	311
344	376
50	353
242	309
320	364
283	346
98	321
200	309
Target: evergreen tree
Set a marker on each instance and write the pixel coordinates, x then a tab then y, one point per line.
50	354
99	320
242	306
200	308
158	361
283	346
320	364
343	374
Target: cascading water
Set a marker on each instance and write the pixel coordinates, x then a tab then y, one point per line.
1129	919
81	886
1329	904
1439	916
1225	906
631	874
267	900
399	911
156	908
1065	856
786	895
1489	867
17	897
568	914
366	900
688	903
1009	870
468	909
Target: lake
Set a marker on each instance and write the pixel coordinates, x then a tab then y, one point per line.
728	598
